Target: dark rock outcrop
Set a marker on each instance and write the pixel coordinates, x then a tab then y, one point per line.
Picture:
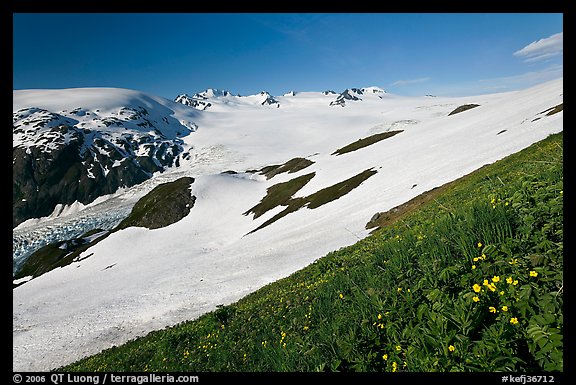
58	160
165	204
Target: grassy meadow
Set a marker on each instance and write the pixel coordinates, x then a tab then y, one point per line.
471	280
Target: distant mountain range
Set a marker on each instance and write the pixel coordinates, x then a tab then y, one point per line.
65	155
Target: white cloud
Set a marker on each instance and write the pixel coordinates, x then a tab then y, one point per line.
410	81
526	79
500	84
543	48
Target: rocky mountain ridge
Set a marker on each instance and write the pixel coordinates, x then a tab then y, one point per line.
64	156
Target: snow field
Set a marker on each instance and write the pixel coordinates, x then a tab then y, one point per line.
139	280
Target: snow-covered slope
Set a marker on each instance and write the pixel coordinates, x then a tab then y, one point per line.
138	280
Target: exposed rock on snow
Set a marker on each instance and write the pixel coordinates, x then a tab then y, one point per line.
164	205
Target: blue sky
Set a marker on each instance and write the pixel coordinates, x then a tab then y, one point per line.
406	54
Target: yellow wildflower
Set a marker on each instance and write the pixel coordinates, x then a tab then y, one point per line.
533	273
341	296
476	259
475	298
399	289
515	282
509	280
394	366
514	320
473	267
492	309
479	244
385	357
496	279
379	316
476	288
398	348
504	308
451	348
513	261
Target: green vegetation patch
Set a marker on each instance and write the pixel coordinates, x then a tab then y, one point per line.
292	166
471	281
462	108
382	219
338	190
554	110
279	195
165	204
320	197
361	143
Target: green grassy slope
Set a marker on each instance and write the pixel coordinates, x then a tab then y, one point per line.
471	280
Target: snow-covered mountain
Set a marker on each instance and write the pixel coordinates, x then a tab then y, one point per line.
208	98
236	238
78	144
354	94
194	102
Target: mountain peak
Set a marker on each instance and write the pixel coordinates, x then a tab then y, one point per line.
212	93
347	94
355	94
192	101
268	99
373	90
